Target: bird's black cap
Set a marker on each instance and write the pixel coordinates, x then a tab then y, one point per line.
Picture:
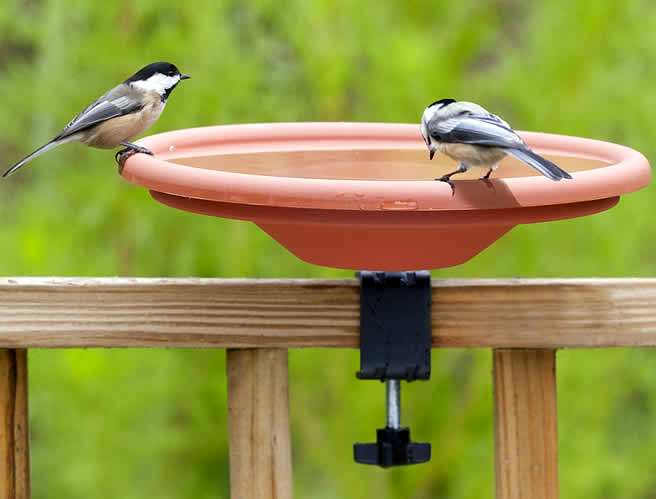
165	68
443	102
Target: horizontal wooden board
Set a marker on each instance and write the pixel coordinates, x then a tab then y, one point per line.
237	313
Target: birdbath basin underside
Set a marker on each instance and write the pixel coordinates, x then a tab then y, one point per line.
363	195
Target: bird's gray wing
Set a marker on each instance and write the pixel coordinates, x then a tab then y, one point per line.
119	101
482	130
492	131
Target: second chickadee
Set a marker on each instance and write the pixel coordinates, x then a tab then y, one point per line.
471	135
122	113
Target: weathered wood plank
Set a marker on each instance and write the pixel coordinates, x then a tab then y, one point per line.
258	419
242	313
526	434
14	434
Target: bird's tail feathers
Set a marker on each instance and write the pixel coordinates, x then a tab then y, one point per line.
41	150
544	166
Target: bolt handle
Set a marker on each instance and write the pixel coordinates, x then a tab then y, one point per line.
392	448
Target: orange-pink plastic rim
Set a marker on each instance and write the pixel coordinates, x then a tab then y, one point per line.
627	171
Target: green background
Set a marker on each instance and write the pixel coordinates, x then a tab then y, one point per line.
134	424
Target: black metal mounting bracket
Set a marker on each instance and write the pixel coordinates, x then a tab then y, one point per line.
395	345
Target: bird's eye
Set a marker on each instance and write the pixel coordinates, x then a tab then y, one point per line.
463	113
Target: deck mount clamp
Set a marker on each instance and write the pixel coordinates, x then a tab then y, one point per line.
395	346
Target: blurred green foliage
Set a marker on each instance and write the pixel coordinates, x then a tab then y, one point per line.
132	424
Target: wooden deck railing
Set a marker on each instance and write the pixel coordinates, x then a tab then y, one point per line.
523	321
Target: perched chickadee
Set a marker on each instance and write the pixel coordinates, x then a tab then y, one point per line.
468	133
122	113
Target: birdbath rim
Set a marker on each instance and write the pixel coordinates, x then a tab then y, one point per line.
619	169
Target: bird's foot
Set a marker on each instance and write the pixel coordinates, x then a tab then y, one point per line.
446	179
124	154
488	183
142	150
486	178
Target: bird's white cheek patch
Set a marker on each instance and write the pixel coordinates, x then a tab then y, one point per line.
157	83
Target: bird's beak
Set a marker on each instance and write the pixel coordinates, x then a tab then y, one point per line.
431	153
184	77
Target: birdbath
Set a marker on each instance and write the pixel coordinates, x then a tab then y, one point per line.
363	196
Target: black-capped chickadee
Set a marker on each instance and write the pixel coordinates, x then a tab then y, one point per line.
471	135
122	113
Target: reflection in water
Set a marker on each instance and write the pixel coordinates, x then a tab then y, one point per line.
364	164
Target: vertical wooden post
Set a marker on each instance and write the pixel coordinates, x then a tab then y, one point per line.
526	424
14	433
258	407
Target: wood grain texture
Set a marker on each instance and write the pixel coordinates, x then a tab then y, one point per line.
14	434
258	407
525	424
242	313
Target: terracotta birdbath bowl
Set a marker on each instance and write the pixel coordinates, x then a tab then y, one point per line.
362	195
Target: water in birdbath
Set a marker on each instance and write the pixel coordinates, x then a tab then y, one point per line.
364	164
